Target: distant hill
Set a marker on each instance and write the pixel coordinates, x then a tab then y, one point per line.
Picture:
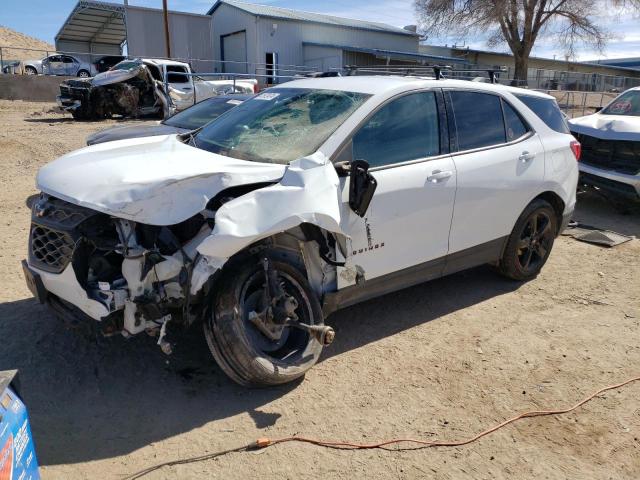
11	38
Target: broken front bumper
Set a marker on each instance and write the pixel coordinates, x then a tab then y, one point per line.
62	286
67	103
621	184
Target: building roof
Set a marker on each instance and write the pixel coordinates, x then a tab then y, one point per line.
629	62
555	60
95	22
299	15
395	54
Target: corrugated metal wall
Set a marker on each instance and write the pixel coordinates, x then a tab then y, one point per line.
191	36
98	49
227	20
286	37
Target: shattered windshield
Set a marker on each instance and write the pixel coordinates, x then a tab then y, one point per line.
279	125
127	65
626	104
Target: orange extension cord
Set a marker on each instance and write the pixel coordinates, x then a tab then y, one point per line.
268	442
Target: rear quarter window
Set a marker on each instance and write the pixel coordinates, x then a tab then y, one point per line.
547	110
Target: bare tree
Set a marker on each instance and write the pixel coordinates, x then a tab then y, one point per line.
519	23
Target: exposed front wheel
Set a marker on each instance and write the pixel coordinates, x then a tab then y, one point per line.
30	71
530	242
255	328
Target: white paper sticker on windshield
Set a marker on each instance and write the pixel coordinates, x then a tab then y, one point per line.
234	102
267	96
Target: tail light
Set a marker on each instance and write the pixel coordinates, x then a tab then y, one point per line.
576	148
256	87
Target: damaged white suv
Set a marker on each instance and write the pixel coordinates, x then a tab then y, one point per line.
311	196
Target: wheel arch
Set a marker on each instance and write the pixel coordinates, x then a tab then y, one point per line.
555	201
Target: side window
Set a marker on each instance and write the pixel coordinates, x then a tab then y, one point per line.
514	125
154	71
173	77
66	59
478	118
404	129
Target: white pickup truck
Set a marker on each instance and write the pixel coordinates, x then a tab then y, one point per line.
143	87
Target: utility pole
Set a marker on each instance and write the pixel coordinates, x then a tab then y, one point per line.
166	27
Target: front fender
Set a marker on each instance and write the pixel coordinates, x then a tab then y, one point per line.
307	193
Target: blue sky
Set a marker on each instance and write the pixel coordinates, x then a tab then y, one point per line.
43	18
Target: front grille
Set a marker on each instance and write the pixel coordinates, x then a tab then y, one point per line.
55	232
618	155
65	91
50	250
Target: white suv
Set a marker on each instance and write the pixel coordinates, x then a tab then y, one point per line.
311	196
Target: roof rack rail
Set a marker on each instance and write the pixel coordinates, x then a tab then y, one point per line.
417	70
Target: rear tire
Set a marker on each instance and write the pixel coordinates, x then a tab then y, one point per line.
530	242
83	74
240	349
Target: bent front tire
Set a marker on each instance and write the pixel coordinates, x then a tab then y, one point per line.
241	350
530	242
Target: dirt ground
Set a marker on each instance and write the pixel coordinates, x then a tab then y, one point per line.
443	360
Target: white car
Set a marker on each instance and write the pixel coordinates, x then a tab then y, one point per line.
143	86
311	196
610	142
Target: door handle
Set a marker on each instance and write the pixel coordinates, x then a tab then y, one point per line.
439	175
526	156
187	88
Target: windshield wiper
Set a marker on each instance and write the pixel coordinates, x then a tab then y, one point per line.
190	137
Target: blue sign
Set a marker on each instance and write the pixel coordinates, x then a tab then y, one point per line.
17	452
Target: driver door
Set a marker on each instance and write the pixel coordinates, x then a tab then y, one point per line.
180	87
406	226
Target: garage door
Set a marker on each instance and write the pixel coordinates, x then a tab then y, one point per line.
234	49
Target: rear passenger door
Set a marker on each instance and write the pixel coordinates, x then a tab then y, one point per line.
499	161
408	220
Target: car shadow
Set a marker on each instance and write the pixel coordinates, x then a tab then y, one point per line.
93	398
50	120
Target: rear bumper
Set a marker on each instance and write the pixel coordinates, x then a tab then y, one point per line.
617	183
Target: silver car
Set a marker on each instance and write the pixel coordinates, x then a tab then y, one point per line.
58	64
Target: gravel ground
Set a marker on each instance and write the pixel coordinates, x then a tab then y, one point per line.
442	360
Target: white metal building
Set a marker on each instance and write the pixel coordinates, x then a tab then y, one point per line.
259	34
239	37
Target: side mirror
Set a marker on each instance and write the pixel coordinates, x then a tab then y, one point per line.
597	109
362	186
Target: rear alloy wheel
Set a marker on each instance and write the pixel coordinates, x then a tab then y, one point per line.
255	330
83	74
530	242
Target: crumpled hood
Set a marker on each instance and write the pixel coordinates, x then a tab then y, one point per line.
153	180
132	131
607	127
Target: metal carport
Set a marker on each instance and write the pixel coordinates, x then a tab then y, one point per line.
94	27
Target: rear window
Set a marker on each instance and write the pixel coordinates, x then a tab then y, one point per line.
548	111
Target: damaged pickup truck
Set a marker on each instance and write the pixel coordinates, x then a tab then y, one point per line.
142	87
306	198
